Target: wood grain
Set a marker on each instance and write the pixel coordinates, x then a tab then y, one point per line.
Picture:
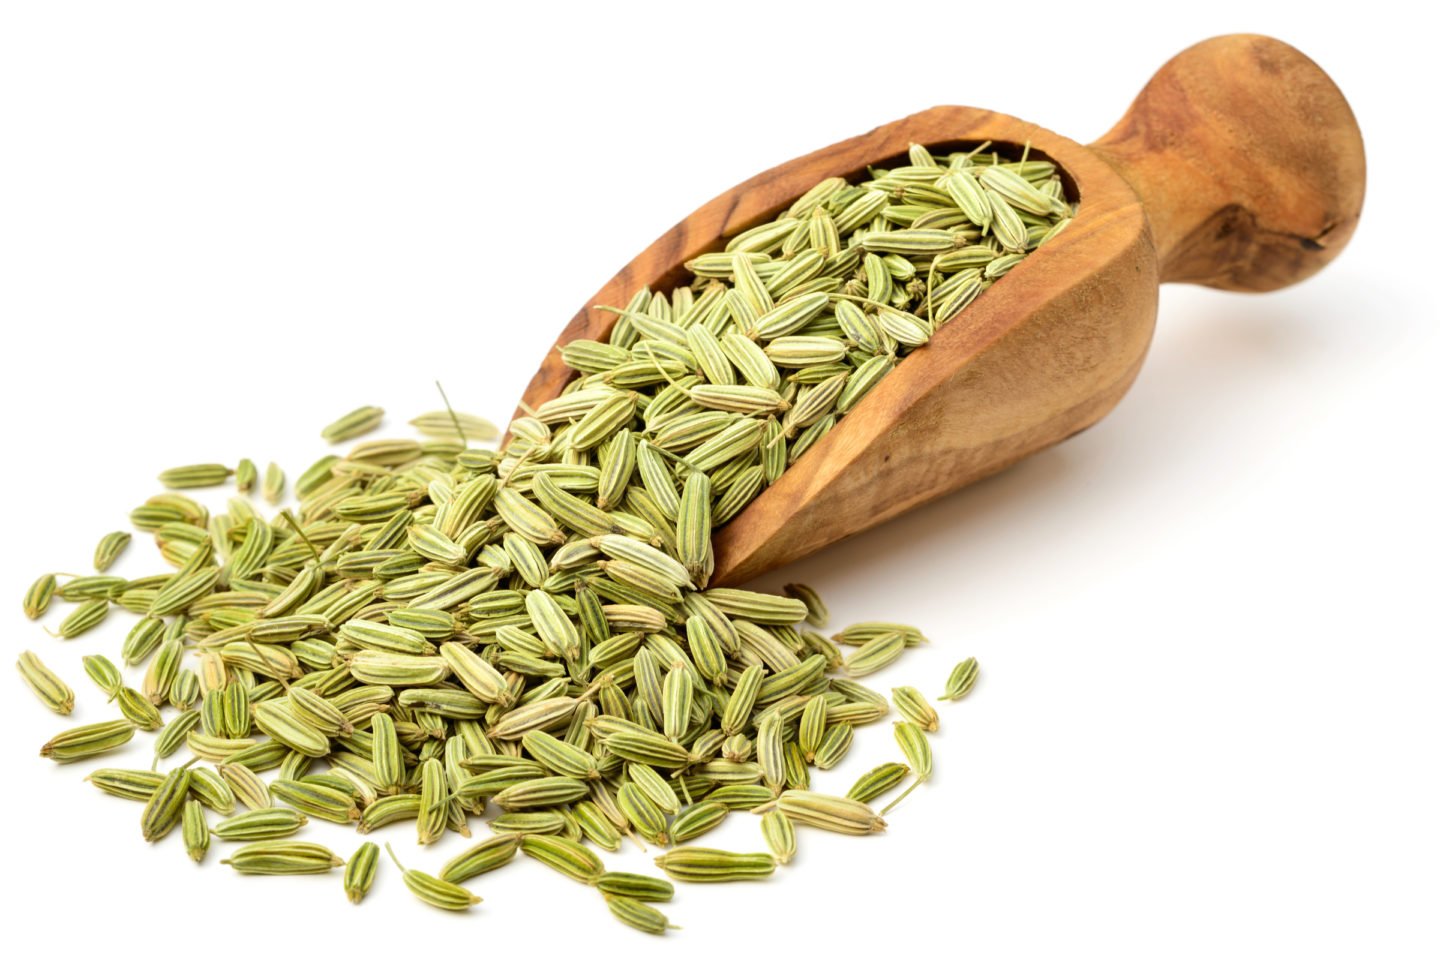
1249	161
1050	349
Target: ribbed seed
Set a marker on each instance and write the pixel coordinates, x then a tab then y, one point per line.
273	486
779	833
602	420
194	831
259	825
453	425
360	871
246	785
137	709
316	800
841	815
434	891
962	679
697	819
834	746
560	757
385	756
914	708
92	587
235	716
1005	224
277	719
637	914
742	700
54	693
161	673
212	790
195	475
37	598
541	792
571	859
527	519
639	887
282	858
656	788
595	827
375	667
645	747
359	421
757	607
529	822
968	196
184	691
535	716
816	613
677	699
432	816
875	654
174	733
643	815
184	590
110	548
812	725
389	810
245	475
486	856
742	797
916	748
877	781
318	713
703	865
87	615
163	809
125	783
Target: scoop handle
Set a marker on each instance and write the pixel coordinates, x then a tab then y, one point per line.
1248	161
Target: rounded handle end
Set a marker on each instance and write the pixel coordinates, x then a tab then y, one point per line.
1249	162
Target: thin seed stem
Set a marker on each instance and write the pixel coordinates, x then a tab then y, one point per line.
453	418
290	519
903	795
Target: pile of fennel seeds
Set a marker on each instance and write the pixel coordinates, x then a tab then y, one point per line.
438	628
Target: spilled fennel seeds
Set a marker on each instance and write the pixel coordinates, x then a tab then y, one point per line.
440	628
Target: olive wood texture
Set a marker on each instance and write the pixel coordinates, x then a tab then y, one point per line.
1239	166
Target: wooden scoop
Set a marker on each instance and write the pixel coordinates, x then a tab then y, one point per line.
1239	166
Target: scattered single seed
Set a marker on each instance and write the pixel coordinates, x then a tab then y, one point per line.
54	693
87	741
914	708
962	679
359	421
878	780
283	857
110	548
638	914
640	887
273	487
195	475
86	616
245	475
194	831
37	598
714	865
779	833
360	871
433	891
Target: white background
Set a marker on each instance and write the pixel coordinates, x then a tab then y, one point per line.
1207	720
